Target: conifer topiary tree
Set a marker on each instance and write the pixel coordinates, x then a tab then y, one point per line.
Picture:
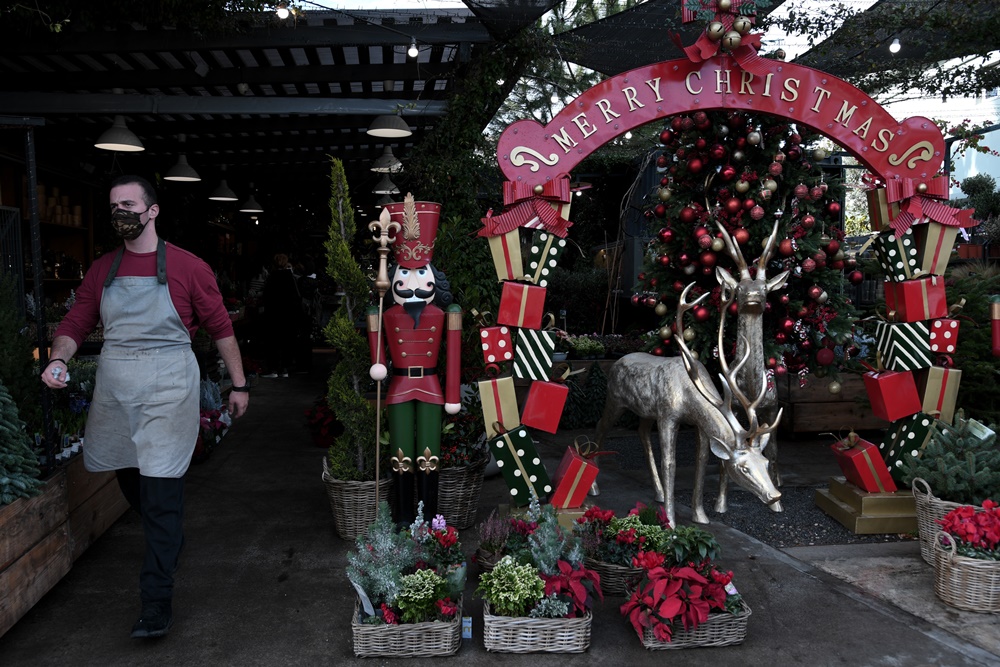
352	456
17	366
18	465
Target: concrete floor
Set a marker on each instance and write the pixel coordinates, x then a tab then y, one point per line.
262	578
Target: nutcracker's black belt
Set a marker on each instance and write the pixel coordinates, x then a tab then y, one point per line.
415	372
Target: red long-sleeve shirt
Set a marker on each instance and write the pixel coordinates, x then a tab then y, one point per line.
192	286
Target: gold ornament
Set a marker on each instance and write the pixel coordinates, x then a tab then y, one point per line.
771	185
661	310
715	30
819	154
824	239
742	187
539	189
731	41
694	354
834	387
823	297
725	5
838	256
739	156
689	334
718	245
922	188
665	333
753	138
664	194
742	25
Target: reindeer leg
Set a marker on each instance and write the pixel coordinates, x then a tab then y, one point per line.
668	465
698	494
645	426
721	501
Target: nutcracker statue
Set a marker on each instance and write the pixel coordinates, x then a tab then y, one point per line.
422	317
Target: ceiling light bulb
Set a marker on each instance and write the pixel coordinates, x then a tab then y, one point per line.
895	46
628	135
413	51
554	99
282	10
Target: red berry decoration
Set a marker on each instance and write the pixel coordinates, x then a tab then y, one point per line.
666	137
666	235
757	212
833	208
741	235
687	215
855	277
824	356
733	206
786	247
809	265
801	191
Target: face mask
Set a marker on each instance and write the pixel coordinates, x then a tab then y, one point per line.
127	224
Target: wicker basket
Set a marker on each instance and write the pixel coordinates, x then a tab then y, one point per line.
353	503
721	629
458	493
930	509
616	580
487	560
406	640
965	583
521	634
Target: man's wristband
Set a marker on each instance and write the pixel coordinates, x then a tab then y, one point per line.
51	361
244	389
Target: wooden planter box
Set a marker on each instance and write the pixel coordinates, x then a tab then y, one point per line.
42	536
813	409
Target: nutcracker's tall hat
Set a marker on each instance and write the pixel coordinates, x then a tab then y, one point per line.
418	223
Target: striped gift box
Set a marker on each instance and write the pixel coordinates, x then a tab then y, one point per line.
904	346
533	354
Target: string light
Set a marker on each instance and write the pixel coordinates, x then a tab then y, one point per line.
413	51
895	46
282	10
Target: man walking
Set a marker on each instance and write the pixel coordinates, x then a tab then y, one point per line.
143	422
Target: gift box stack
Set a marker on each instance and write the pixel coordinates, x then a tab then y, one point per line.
522	338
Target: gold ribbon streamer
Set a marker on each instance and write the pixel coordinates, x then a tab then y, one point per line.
520	465
572	488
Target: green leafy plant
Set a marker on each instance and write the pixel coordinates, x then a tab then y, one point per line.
18	465
510	588
618	540
419	594
687	544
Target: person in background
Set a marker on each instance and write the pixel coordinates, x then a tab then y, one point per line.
143	422
312	307
282	317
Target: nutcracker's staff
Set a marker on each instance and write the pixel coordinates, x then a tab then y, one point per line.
382	228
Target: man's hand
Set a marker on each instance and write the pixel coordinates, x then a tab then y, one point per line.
54	375
238	402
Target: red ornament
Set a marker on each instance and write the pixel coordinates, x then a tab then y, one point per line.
684	259
695	165
816	194
664	181
708	258
707	270
635	299
717	152
727	173
664	260
666	234
700	143
795	138
701	314
794	153
662	162
803	311
741	142
787	324
780	370
801	191
808	222
642	276
833	208
824	356
748	204
678	286
741	235
654	281
651	302
700	117
733	206
786	247
687	124
734	308
681	153
687	215
700	231
660	211
837	265
675	123
774	169
856	277
832	247
814	292
806	345
666	136
784	298
757	212
771	362
705	242
808	265
780	337
658	351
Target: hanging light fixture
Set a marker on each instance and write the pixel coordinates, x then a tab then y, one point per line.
251	205
895	46
386	187
119	138
389	126
282	10
182	171
413	51
223	192
384	200
387	163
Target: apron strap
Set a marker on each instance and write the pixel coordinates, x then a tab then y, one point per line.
161	261
114	267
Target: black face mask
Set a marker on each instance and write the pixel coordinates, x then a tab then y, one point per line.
127	224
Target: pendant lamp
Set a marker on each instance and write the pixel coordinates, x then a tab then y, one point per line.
223	192
119	138
387	163
251	205
389	126
182	171
386	187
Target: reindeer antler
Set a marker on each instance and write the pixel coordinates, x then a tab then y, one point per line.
691	365
768	249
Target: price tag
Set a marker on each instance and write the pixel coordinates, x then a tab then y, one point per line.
466	627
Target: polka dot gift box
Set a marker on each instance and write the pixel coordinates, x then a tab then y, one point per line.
520	465
897	255
904	440
543	255
497	344
944	336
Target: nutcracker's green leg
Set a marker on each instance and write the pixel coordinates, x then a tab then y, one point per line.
428	453
401	417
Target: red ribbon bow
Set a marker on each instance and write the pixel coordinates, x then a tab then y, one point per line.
917	200
704	48
521	214
554	190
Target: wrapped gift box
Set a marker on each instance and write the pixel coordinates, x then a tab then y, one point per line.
533	354
544	406
934	244
938	390
880	211
893	394
944	335
916	300
573	479
521	305
543	255
521	466
506	252
906	439
497	344
904	346
499	404
863	465
897	255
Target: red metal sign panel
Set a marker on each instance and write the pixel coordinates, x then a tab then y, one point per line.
533	154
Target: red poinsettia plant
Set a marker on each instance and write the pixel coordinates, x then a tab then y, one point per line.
576	585
976	532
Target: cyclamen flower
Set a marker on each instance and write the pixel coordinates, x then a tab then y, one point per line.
722	578
447	537
388	615
446	607
648	560
438	522
626	536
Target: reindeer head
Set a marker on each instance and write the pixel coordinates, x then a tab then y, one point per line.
742	453
750	291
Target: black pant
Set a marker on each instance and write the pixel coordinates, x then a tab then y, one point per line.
160	502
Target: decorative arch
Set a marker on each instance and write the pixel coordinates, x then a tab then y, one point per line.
533	154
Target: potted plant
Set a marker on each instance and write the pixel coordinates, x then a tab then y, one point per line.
537	598
967	558
349	468
494	531
682	599
409	585
586	346
464	456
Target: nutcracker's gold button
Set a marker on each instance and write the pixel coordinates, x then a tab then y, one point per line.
397	329
428	354
400	341
404	354
433	329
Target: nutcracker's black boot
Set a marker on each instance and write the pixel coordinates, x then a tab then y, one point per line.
404	496
427	491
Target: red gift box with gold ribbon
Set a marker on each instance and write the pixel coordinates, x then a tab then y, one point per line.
521	305
862	465
574	477
893	394
916	300
544	405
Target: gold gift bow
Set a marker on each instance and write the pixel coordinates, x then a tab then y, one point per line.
481	318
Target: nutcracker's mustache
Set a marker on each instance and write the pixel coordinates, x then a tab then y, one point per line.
407	293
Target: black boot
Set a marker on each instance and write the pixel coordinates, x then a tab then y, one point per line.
427	491
404	496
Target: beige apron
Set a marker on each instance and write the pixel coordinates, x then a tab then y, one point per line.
146	398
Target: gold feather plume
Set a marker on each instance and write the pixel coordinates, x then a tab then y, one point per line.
411	224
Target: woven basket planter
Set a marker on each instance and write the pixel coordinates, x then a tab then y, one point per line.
965	583
616	580
353	503
521	634
486	560
930	509
721	629
458	493
406	640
